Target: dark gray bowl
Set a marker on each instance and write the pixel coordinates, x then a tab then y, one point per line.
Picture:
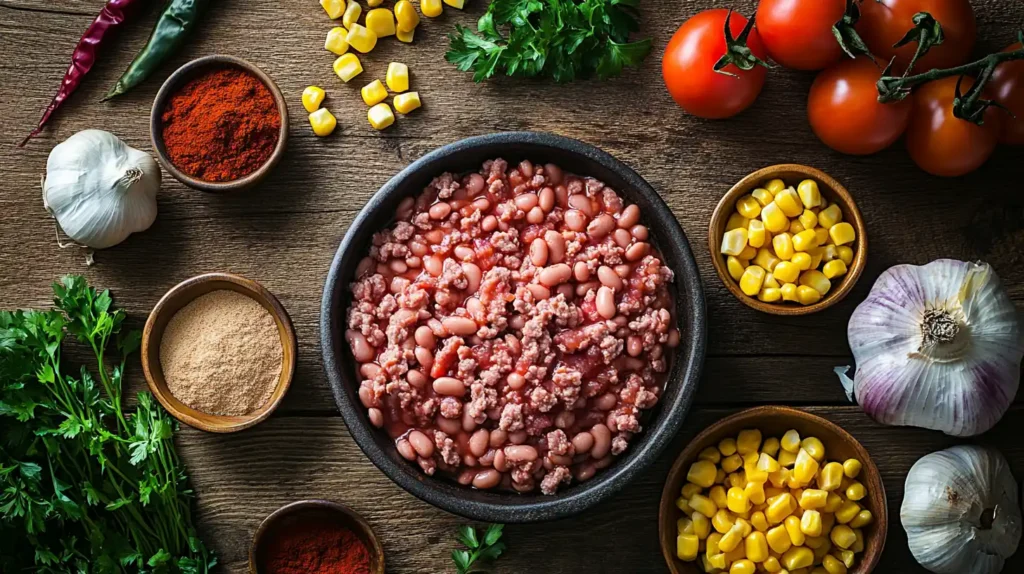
662	424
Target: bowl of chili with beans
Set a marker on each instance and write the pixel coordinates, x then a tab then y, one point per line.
514	327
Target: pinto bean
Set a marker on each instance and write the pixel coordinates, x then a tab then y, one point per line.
481	204
366	396
556	246
630	216
464	253
540	292
478	442
465	477
468	422
498	438
609	278
583	442
473	276
554	173
424	357
433	265
555	275
418	248
404	209
601	225
583	288
565	419
580	271
582	203
624	270
639	232
489	223
634	346
500	464
606	302
439	210
535	216
606	402
424	337
423	445
416	378
437	328
567	291
449	426
474	183
585	472
414	262
449	386
362	350
637	251
364	266
559	459
526	201
575	220
673	338
539	252
516	381
460	326
546	199
562	196
486	479
405	449
602	441
369	370
622	238
520	453
517	437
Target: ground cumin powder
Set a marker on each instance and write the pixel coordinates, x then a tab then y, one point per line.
221	354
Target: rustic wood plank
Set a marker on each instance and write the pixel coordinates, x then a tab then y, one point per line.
241	478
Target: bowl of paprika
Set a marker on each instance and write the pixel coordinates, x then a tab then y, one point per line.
315	537
219	124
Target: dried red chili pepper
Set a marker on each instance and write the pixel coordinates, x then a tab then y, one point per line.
113	14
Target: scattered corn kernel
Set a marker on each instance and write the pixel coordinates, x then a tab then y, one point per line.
830	216
831	476
718	496
732	462
801	260
809	193
772	565
778	539
347	67
736	221
766	259
703	505
701	525
734	241
334	8
863	518
780	508
798	557
810	523
847	512
796	536
722	521
774	219
816	280
805	240
806	468
843	536
748	441
718	561
684	505
352	13
770	295
312	97
737	500
684	526
763	196
783	245
380	116
735	266
795	227
381	21
406	18
787	272
702	473
756	547
373	93
833	565
405	37
431	8
755	492
336	41
687	547
789	202
731	540
855	491
842	233
361	38
323	122
727	447
758	521
833	502
752	279
808	219
813	499
748	207
755	233
845	254
775	186
407	102
374	3
397	77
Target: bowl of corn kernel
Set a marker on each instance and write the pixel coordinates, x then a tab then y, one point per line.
773	489
788	240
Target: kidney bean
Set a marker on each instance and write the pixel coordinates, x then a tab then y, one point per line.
602	225
473	276
424	337
460	326
362	351
369	370
559	459
630	216
546	199
416	378
535	216
449	386
465	477
494	413
481	204
555	275
414	262
673	338
565	419
486	479
398	266
433	265
419	249
526	168
602	441
639	232
449	426
489	223
634	346
622	238
606	302
556	245
500	464
474	306
478	442
562	196
498	438
526	201
516	381
632	364
384	270
624	270
405	449
439	210
609	421
364	266
421	444
554	173
487	459
520	453
585	472
583	442
609	278
580	271
517	322
424	357
404	209
539	252
606	402
474	184
366	396
567	291
540	292
582	203
583	288
637	251
463	253
546	464
620	320
468	422
517	437
437	327
575	220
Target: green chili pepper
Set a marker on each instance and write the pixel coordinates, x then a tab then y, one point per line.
178	18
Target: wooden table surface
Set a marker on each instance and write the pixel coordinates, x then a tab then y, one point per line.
285	233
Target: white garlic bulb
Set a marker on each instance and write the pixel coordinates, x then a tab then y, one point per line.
937	346
960	511
99	189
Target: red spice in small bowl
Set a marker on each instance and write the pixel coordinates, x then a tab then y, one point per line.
221	125
316	547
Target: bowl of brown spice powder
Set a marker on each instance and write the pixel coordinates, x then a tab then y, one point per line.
218	351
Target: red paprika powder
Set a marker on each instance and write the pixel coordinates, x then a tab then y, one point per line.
221	125
315	547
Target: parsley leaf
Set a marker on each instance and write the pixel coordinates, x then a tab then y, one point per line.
560	39
486	550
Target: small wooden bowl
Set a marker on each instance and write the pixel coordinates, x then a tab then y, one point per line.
171	86
184	293
775	421
792	174
295	513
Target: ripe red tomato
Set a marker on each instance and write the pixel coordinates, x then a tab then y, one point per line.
845	113
1007	87
885	22
688	67
798	33
943	144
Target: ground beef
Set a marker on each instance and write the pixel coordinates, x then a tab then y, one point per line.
517	311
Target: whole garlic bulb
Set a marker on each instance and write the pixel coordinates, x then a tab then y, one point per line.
99	189
960	511
937	346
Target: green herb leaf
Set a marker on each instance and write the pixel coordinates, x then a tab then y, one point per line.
467	536
462	560
493	534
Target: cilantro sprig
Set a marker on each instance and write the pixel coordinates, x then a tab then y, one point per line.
486	549
560	39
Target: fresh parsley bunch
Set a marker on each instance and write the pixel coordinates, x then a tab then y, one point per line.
486	549
84	486
560	39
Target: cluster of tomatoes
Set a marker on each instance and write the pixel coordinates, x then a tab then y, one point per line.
843	106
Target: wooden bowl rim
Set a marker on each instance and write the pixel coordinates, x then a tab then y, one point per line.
299	506
832	188
187	72
151	339
869	474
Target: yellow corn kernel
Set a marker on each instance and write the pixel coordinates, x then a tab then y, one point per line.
805	240
347	67
744	524
720	477
778	539
771	281
689	489
821	551
809	193
827	521
736	221
748	252
380	116
718	561
748	207
833	565
397	76
361	38
711	544
758	521
702	473
755	233
833	502
770	295
735	266
775	186
727	446
830	477
830	216
772	565
795	227
796	536
732	462
821	234
701	525
684	505
765	259
842	233
814	447
855	491
337	41
787	272
710	454
863	518
828	252
816	256
783	245
789	202
718	496
323	122
406	18
755	492
763	196
845	254
312	97
687	547
810	523
703	505
722	521
786	458
774	219
802	261
847	512
805	468
843	536
794	484
737	479
734	241
352	13
706	564
813	499
770	446
743	566
778	478
431	8
374	3
790	441
731	540
752	279
780	508
405	37
407	102
756	546
738	500
334	8
684	526
766	463
847	557
816	280
381	22
373	93
858	546
752	475
808	219
798	557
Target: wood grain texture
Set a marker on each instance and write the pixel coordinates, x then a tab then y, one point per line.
284	234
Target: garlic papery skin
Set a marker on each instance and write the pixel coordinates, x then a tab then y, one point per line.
960	511
99	189
937	346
